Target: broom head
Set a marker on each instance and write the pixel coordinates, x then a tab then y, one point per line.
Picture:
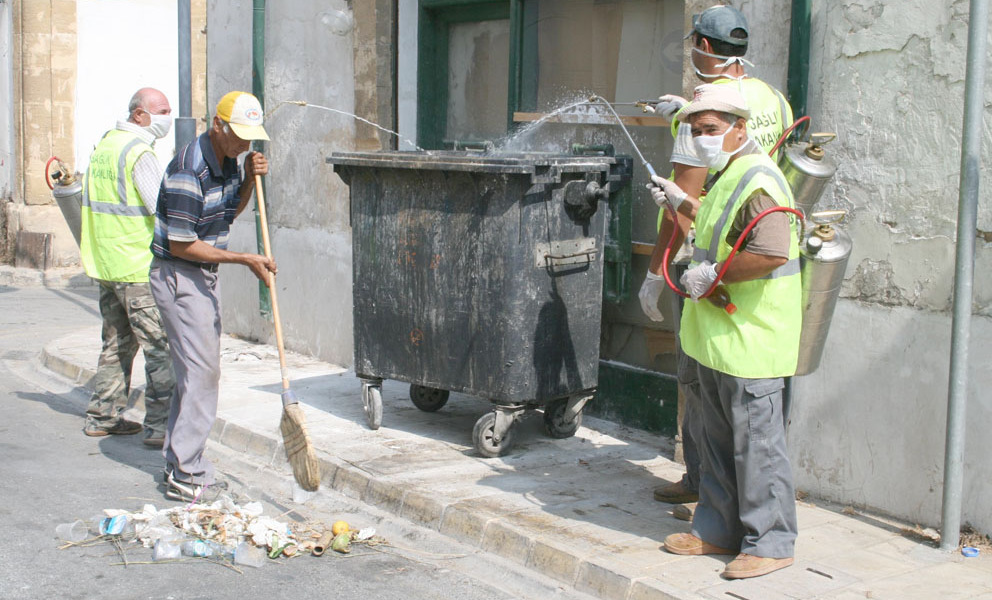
299	450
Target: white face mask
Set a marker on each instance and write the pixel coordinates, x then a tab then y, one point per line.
160	125
711	152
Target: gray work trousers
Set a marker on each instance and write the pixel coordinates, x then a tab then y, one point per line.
688	378
189	299
746	497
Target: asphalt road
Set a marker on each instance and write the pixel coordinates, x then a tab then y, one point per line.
50	473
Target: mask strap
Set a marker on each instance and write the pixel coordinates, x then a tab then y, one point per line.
728	60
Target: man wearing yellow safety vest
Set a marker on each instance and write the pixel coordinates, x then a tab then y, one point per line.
120	192
746	496
719	42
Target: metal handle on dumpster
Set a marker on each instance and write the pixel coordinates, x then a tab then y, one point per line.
581	251
564	256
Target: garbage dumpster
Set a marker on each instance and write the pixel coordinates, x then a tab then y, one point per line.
481	274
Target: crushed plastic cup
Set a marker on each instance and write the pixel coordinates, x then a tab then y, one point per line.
249	555
166	550
76	531
113	525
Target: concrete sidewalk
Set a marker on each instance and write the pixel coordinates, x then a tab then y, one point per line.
579	510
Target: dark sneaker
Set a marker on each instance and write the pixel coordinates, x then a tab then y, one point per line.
187	491
121	427
154	439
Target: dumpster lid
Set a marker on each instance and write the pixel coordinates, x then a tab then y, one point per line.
449	160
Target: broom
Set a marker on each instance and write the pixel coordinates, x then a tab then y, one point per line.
299	449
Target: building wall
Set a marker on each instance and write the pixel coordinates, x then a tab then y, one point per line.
868	427
7	153
326	55
63	97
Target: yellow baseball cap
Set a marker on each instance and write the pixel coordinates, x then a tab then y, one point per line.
243	113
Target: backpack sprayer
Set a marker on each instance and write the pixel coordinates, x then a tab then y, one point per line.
824	249
67	189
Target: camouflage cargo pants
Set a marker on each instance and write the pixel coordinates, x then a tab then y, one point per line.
130	320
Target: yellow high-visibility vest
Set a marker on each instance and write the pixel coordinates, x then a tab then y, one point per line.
761	339
116	226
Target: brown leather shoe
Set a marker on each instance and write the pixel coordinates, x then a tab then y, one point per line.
675	493
690	545
746	565
684	512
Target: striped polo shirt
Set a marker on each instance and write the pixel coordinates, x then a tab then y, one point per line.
198	198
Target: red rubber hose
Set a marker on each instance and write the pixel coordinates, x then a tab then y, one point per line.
740	240
48	179
733	251
786	133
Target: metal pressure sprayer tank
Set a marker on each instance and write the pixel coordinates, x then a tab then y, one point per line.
824	253
808	169
824	248
67	189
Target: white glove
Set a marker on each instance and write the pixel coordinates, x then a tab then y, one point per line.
666	191
699	279
649	295
667	106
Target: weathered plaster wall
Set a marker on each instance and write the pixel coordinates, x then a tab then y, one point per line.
868	427
7	154
309	49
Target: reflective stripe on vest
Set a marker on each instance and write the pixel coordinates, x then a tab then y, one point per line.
699	254
760	340
116	232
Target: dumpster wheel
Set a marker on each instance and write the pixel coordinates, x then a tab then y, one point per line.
428	399
485	439
372	401
555	421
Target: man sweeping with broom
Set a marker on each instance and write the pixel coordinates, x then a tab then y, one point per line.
204	189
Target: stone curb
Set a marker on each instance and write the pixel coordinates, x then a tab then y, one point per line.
456	519
56	278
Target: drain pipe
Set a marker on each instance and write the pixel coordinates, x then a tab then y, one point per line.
185	123
798	79
964	273
258	89
797	87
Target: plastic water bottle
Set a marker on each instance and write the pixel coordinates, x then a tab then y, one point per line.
204	548
197	548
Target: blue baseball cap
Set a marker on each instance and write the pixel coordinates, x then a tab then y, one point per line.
717	22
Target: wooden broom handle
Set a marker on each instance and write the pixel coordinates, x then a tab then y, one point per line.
260	196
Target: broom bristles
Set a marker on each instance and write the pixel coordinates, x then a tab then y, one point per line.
299	450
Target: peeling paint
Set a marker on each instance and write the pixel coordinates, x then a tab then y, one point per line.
872	282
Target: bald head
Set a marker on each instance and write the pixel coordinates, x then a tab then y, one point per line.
146	102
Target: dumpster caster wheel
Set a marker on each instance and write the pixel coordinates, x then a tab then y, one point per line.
486	441
428	399
555	423
372	399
